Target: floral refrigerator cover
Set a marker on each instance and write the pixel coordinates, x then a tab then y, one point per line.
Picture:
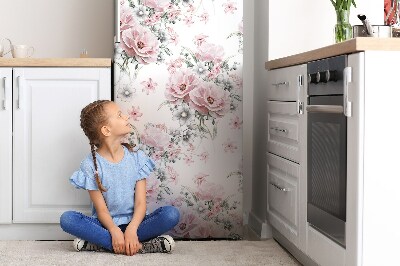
178	74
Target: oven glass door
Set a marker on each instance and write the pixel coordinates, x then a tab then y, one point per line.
327	166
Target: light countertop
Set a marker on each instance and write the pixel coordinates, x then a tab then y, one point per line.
55	62
348	47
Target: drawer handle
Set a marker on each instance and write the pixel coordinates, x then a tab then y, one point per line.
280	129
279	187
20	88
284	83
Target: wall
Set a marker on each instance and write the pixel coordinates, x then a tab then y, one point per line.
299	26
248	100
60	28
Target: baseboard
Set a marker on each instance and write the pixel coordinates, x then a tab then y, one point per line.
33	232
292	249
262	229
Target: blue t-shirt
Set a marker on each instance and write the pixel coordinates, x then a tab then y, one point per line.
118	178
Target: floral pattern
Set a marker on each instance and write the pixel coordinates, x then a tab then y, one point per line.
178	75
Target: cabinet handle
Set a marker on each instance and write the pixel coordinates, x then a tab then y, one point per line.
279	187
20	88
286	83
5	93
279	129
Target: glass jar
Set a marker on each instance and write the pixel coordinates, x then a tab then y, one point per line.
343	30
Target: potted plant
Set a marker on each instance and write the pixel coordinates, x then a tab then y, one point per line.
343	29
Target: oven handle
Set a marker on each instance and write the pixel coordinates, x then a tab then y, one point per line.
336	109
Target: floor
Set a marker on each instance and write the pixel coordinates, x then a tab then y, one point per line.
217	252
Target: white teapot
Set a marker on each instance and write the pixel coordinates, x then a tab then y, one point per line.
2	46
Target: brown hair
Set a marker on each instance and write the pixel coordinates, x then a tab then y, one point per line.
93	117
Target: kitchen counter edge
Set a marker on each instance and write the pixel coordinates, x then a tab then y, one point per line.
55	62
348	47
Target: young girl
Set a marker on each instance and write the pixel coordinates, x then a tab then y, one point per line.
115	177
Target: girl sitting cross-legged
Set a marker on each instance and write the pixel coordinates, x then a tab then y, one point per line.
115	177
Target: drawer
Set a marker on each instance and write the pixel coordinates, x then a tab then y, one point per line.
283	130
283	196
284	84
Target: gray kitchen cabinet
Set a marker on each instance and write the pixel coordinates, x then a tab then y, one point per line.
42	144
285	124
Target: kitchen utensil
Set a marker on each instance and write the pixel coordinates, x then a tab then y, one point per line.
22	50
2	53
368	30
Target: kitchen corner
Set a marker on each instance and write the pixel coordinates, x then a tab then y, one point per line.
347	152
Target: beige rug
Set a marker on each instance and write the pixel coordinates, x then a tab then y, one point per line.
191	253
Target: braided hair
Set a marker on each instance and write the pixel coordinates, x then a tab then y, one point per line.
93	117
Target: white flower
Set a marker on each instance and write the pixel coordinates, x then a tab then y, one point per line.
184	114
125	92
200	68
140	12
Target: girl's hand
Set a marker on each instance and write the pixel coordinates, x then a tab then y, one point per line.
118	241
132	244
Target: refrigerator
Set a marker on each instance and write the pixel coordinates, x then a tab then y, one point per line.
177	73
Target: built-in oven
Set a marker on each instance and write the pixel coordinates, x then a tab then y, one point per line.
327	148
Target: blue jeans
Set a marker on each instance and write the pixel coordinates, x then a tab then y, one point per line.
90	229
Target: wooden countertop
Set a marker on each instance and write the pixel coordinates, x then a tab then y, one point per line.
55	62
348	47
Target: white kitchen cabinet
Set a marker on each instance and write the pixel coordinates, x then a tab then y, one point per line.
48	144
5	146
285	123
372	184
283	196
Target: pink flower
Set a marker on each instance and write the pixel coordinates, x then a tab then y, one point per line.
157	155
149	86
236	123
208	98
155	137
210	191
173	13
135	113
180	84
204	17
214	72
230	7
191	147
229	146
173	175
188	20
188	160
158	5
200	178
139	42
127	18
173	65
204	156
199	39
177	202
186	224
152	187
173	154
211	52
173	36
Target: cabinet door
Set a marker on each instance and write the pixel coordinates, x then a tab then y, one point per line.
283	196
283	130
48	141
284	83
5	146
